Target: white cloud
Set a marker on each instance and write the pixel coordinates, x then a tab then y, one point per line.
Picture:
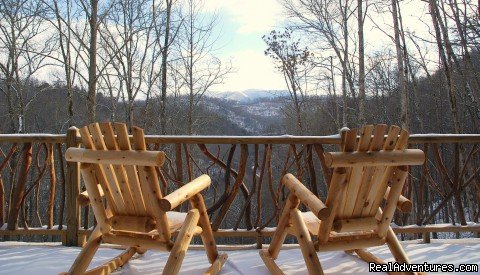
252	16
254	70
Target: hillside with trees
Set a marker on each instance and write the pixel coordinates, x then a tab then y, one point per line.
153	63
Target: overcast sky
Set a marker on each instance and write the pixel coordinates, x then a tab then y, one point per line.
242	23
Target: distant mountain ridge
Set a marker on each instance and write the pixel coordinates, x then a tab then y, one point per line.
250	95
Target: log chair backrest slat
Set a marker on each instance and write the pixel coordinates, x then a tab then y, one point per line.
150	187
131	170
111	177
118	170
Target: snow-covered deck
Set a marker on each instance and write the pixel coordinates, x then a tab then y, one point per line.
34	258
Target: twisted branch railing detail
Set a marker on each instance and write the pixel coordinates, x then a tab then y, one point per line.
246	192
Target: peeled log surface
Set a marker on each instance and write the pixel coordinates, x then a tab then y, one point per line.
356	224
404	205
285	139
83	199
288	139
306	196
351	244
270	263
184	193
267	232
380	158
114	263
368	257
217	265
139	158
147	242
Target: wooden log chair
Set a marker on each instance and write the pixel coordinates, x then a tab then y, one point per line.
370	169
137	216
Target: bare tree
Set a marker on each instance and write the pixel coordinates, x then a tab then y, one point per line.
402	80
63	23
95	15
361	62
328	20
166	46
293	61
92	66
447	67
130	41
24	50
200	69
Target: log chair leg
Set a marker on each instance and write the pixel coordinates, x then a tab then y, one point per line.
270	263
396	248
141	251
370	258
114	263
306	244
269	256
204	222
181	244
276	244
279	237
217	265
88	251
283	224
217	260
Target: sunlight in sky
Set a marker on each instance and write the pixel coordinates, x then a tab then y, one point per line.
242	23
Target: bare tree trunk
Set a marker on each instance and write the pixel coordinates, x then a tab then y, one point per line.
11	110
92	67
166	44
409	71
190	71
335	99
470	70
447	68
361	65
65	41
298	109
402	83
344	65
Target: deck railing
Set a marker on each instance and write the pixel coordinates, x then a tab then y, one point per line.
39	191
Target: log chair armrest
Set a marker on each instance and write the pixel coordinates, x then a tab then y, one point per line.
306	196
404	205
83	199
179	196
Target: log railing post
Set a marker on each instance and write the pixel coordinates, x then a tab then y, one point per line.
426	237
72	191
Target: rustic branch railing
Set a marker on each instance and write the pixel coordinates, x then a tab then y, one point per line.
39	190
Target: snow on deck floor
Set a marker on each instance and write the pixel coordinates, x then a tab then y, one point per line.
31	258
